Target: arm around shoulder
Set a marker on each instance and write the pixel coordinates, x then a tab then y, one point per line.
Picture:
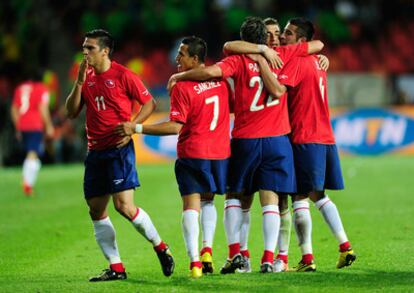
315	46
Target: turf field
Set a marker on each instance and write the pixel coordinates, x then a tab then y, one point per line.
47	243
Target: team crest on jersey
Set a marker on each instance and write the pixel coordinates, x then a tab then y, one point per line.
110	83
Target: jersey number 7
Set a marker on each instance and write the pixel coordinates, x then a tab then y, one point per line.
215	101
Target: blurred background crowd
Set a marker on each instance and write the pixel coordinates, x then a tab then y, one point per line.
369	45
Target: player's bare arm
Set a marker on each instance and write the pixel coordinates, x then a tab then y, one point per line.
44	111
270	81
199	74
315	46
73	101
164	128
15	117
146	111
323	62
126	129
242	47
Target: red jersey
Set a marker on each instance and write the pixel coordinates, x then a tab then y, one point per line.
256	113
308	101
203	108
109	99
27	98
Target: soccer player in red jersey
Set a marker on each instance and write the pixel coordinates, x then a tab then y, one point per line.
281	260
316	157
200	115
261	157
108	89
31	117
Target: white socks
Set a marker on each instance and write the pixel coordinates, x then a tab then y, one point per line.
208	218
190	232
270	225
145	227
105	236
283	241
303	225
232	220
31	168
332	218
244	230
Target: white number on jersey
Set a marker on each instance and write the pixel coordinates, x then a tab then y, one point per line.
25	99
271	101
215	101
100	103
322	88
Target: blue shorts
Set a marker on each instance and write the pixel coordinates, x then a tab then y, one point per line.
317	167
261	163
33	141
201	175
110	171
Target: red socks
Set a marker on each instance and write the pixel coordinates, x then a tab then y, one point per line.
117	267
234	249
160	247
344	246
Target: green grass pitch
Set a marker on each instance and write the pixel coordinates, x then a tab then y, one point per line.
47	242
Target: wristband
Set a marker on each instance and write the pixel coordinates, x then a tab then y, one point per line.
138	128
261	48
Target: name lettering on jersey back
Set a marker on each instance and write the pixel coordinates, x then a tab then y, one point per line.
204	86
254	67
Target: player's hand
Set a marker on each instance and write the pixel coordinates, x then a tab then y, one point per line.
171	83
125	129
82	71
273	58
123	142
323	62
49	132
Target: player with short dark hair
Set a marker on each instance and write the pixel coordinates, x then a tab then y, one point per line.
261	157
200	115
316	157
281	260
108	89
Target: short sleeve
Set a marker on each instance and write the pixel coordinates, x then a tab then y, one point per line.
45	97
229	65
179	105
290	75
135	88
290	51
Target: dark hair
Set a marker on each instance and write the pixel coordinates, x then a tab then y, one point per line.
270	21
104	39
196	46
304	28
253	30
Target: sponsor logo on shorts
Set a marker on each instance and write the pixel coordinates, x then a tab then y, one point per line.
118	181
